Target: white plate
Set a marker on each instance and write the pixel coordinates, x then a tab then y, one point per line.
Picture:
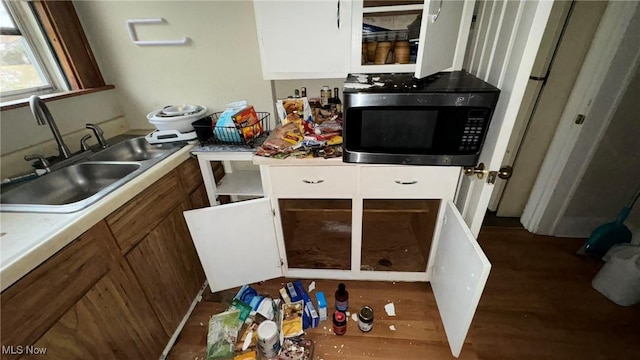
177	110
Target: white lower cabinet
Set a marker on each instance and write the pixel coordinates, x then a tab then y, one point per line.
250	241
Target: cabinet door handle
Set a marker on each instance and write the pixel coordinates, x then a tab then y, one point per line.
319	181
400	182
434	17
338	15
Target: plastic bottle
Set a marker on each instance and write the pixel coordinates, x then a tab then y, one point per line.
342	298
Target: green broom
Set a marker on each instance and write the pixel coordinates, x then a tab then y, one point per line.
607	235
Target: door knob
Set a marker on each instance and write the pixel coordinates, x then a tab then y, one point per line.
505	172
479	171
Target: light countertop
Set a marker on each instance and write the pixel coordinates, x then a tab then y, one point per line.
28	239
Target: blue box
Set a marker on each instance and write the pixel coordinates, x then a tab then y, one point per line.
293	294
322	306
313	315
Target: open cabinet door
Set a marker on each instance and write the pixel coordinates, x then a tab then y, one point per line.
459	273
236	243
443	31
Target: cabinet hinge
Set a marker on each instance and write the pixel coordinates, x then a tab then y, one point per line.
273	211
281	262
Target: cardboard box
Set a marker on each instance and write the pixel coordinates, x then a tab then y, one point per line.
322	306
248	123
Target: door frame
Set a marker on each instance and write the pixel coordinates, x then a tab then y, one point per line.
510	47
598	90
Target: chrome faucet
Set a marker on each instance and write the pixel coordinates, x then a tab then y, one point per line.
99	134
43	116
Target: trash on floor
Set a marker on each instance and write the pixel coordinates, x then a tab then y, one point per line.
258	326
390	309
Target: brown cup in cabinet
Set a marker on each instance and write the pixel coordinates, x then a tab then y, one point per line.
371	50
382	52
401	52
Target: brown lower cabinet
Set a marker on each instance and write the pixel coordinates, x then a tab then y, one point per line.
98	299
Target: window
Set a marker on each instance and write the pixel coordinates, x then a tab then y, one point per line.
27	64
53	25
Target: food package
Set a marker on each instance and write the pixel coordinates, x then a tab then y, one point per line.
248	122
225	127
292	109
251	355
223	333
292	319
276	140
245	309
296	349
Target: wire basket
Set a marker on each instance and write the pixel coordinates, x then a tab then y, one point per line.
209	134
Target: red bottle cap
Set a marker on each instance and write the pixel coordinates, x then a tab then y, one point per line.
340	316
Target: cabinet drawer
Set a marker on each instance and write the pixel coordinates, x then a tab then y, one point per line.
313	181
428	182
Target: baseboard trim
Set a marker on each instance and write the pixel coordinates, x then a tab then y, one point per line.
176	333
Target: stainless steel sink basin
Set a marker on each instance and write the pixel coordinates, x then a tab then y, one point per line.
137	149
78	185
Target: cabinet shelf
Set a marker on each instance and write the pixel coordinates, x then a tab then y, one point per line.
241	182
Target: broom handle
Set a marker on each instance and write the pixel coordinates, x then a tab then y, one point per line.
627	209
634	199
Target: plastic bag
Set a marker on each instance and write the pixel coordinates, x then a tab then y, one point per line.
619	277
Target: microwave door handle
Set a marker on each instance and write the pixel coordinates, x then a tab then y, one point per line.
412	182
319	181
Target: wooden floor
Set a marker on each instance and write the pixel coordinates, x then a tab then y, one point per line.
538	304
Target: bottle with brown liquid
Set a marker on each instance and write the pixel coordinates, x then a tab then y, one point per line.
342	298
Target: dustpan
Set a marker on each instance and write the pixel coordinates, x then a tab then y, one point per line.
607	235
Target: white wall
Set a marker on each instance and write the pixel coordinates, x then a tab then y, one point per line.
221	64
613	176
20	135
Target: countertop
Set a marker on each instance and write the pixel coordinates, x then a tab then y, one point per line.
28	239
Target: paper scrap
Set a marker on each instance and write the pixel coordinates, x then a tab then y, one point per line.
348	314
312	286
354	317
247	341
392	328
390	309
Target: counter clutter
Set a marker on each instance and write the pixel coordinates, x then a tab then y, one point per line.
308	127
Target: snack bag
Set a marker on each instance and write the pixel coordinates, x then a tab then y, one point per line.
223	333
292	319
247	121
287	107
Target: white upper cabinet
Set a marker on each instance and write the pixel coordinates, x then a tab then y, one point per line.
304	39
433	32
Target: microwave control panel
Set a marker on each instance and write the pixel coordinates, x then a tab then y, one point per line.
472	135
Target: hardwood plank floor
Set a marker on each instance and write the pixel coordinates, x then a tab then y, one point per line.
538	304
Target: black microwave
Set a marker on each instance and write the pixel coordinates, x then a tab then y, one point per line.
398	119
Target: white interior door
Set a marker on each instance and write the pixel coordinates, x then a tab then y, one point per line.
443	36
459	272
503	57
236	243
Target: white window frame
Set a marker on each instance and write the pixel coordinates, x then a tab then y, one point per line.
38	50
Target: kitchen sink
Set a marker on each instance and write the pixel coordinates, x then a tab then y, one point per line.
76	186
137	149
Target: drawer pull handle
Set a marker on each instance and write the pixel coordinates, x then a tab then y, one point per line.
319	181
400	182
